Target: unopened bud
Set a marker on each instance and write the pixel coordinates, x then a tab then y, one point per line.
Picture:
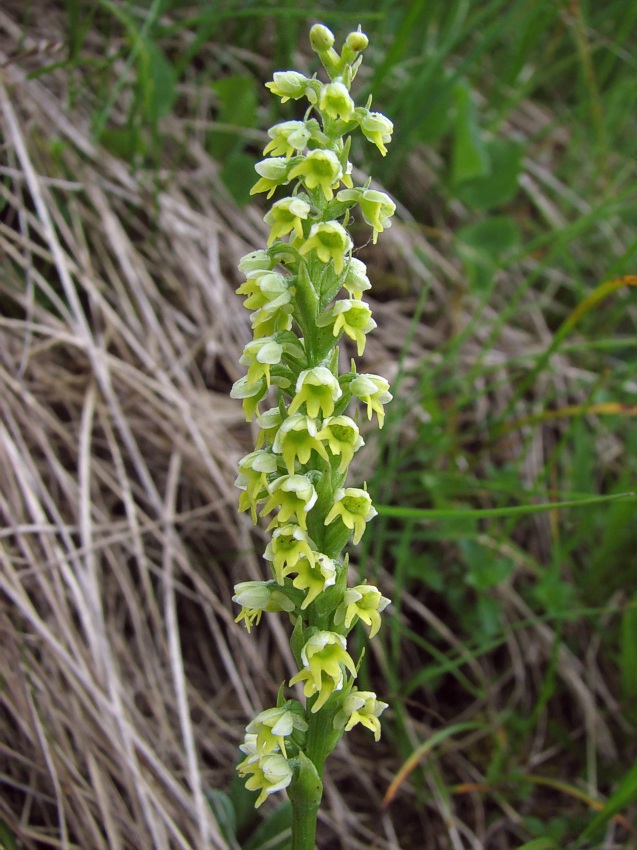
321	38
357	41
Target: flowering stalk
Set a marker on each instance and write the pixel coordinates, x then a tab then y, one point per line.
297	473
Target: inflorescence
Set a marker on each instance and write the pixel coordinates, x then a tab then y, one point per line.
305	291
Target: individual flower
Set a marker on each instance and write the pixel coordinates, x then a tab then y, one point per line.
258	260
286	215
336	102
259	355
364	601
324	656
377	129
294	495
356	281
351	316
290	85
254	469
274	725
377	207
288	137
319	168
372	390
296	438
255	597
272	173
265	287
271	293
268	774
342	437
269	423
361	707
331	241
314	577
318	389
354	508
289	544
251	394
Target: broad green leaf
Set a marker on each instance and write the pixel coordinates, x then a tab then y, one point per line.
500	185
237	107
238	176
224	814
274	832
469	157
158	84
490	237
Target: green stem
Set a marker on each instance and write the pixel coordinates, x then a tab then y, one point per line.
305	795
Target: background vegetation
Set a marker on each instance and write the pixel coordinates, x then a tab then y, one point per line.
504	476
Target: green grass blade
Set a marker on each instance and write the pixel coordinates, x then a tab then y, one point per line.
482	513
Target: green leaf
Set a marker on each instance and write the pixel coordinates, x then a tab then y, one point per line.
482	513
469	157
225	815
480	246
237	97
490	237
274	832
500	185
486	569
243	802
158	84
238	176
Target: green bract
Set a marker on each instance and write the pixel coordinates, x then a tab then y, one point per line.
304	293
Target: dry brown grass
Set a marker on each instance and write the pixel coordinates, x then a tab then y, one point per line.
125	683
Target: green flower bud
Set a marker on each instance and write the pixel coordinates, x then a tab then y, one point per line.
357	41
321	38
